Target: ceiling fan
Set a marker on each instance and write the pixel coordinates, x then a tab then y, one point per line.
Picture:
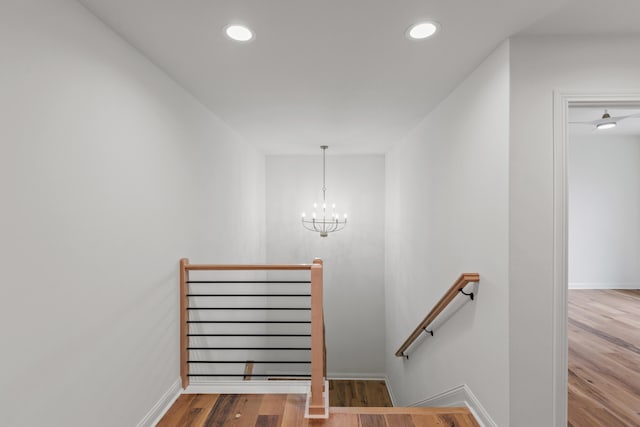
606	122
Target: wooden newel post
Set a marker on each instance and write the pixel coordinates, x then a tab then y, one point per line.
316	402
184	327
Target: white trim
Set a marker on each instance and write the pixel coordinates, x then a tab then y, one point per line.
248	387
162	406
355	376
560	260
460	396
325	395
267	387
561	101
603	285
394	401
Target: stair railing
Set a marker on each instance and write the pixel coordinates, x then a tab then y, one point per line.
317	400
456	289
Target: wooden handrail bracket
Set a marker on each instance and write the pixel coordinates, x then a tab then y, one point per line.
446	299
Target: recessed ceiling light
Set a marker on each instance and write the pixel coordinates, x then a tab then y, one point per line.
239	33
422	30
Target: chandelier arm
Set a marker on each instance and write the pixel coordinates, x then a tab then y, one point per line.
339	229
321	226
306	226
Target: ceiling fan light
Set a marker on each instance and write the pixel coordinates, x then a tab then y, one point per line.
605	125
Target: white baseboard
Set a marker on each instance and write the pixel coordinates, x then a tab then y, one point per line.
460	396
248	387
162	406
394	401
356	376
604	285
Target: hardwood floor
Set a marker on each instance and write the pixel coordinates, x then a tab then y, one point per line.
359	393
604	358
287	410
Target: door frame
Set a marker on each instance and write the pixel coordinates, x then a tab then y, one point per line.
562	100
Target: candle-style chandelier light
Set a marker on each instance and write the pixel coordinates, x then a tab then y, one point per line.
320	222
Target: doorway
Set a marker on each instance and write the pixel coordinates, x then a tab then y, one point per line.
596	247
603	181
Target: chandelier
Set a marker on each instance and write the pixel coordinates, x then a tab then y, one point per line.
320	222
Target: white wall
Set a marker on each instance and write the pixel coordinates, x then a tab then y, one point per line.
353	258
540	65
604	211
447	213
109	173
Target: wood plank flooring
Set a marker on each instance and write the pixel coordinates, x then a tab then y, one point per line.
359	393
287	410
604	358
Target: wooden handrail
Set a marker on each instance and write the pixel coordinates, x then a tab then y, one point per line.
446	299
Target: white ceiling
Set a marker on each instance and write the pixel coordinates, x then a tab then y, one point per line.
626	127
330	72
582	17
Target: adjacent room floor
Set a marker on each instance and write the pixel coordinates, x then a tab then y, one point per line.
604	358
